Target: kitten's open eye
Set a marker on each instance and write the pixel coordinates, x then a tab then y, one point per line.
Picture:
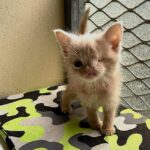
78	64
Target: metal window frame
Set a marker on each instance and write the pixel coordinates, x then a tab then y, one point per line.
73	12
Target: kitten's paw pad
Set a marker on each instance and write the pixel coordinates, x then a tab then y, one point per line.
108	131
65	110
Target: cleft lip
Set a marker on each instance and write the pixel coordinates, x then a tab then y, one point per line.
91	74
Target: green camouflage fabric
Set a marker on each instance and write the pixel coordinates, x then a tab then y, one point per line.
4	141
33	121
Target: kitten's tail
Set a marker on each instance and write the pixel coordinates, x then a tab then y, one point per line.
83	22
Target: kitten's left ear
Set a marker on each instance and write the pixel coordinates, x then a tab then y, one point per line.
63	39
114	35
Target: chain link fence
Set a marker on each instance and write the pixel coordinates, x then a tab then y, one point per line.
135	15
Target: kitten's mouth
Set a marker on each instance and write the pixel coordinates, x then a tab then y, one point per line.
90	75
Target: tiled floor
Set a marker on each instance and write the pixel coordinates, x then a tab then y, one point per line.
136	46
133	105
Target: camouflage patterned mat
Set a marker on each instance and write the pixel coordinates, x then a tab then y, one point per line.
4	141
33	121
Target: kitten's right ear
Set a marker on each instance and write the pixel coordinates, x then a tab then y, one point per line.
114	35
63	39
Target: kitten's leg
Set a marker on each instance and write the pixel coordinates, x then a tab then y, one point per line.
109	115
93	117
68	95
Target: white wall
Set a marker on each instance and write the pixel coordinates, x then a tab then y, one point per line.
29	55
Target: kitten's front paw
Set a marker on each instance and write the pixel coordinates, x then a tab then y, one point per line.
109	131
96	126
65	109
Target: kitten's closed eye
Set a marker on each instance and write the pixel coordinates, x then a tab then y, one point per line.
78	64
103	59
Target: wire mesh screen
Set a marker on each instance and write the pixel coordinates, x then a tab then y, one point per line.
135	62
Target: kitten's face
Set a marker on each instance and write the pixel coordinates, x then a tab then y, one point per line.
84	61
91	60
90	57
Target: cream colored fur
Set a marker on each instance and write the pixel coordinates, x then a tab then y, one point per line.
98	81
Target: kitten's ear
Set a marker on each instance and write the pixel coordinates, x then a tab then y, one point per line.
114	35
63	39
